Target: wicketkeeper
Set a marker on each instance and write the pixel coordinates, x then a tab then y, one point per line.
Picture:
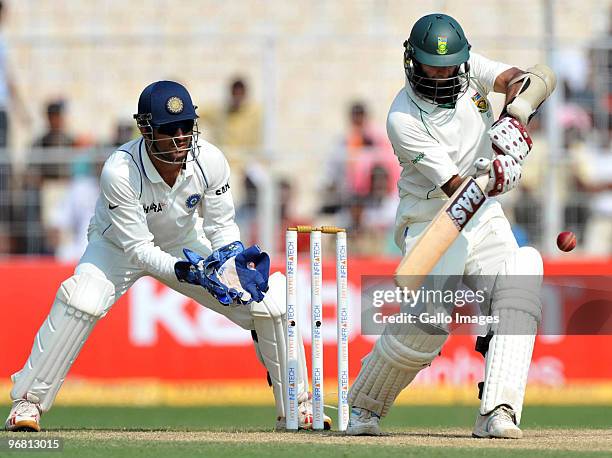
153	191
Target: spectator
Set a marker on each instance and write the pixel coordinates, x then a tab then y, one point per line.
9	96
56	135
381	205
6	189
5	240
593	164
246	213
576	123
360	134
31	235
124	132
348	171
367	146
362	240
238	125
379	213
594	170
524	203
70	218
289	218
598	230
237	128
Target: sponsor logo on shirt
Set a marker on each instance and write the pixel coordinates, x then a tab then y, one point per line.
153	207
193	200
481	103
222	189
418	158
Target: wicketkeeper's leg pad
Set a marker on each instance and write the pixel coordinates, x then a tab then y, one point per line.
271	345
517	305
80	301
395	360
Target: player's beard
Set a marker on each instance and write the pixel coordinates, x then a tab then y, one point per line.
443	92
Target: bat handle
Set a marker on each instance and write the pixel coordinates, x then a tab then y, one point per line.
482	181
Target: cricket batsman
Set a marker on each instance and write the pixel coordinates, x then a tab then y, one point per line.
442	129
154	190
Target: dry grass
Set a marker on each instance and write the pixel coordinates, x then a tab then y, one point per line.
549	439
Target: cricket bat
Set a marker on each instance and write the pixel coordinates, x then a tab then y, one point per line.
442	232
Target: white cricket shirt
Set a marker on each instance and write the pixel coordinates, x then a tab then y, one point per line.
141	214
433	144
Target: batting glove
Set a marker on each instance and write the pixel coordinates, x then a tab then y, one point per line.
504	173
510	137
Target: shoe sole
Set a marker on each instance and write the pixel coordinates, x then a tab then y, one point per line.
25	426
511	434
367	431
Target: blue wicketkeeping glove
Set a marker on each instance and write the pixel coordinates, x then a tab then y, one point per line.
247	273
231	274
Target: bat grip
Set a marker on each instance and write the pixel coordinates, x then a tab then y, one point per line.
482	181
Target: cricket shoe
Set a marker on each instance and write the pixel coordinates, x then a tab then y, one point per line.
24	416
497	424
305	416
363	422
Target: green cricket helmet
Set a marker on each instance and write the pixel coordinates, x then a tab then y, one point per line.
437	40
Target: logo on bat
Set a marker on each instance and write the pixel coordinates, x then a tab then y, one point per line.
466	204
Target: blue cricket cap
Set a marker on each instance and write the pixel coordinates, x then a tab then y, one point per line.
165	102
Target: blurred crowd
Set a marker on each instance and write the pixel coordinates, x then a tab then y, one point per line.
46	203
582	166
356	188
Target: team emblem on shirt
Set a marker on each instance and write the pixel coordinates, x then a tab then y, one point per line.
481	103
442	45
193	200
174	105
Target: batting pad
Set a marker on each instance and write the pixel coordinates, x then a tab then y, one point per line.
61	337
516	304
392	364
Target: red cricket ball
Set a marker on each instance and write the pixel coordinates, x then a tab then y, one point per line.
566	241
